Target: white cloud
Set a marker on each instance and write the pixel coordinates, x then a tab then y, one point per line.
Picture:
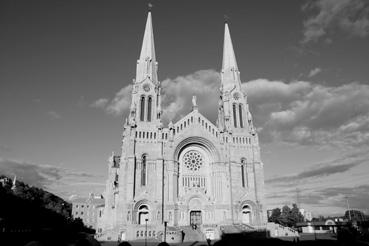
308	113
350	16
176	96
299	111
99	103
314	72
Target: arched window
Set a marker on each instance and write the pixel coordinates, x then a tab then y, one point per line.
143	214
246	214
240	114
143	169
142	109
149	102
234	115
243	175
243	164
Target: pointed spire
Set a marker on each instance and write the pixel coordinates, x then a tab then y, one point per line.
230	73
229	58
146	65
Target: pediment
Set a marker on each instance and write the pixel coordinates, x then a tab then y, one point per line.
195	120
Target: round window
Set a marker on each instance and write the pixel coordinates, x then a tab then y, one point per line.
193	160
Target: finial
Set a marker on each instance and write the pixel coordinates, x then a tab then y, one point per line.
150	5
194	103
226	18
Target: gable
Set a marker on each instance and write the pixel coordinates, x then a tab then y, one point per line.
195	119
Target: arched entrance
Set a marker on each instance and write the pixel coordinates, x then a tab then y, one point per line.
195	218
143	214
246	214
195	207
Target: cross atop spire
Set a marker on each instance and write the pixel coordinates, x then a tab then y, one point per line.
230	73
147	65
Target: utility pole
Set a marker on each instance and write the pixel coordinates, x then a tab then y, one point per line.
348	209
298	197
146	231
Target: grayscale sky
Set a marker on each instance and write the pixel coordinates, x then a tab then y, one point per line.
66	67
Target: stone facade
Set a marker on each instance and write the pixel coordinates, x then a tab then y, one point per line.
192	172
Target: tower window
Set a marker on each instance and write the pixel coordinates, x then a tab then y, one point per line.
143	169
234	115
243	175
142	109
240	115
149	102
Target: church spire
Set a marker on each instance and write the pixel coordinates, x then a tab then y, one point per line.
147	65
230	73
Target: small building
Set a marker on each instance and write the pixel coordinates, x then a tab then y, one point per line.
89	210
327	226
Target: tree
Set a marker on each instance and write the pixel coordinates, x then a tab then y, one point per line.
354	215
295	215
287	217
276	214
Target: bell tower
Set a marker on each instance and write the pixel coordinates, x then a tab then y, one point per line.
145	107
233	112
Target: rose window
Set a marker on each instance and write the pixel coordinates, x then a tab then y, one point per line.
193	160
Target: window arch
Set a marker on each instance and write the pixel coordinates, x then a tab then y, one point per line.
143	214
243	178
143	169
234	115
246	214
142	108
149	103
240	114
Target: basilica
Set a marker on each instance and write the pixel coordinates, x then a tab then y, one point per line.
192	175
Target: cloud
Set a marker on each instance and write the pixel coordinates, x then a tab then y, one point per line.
320	170
300	112
308	113
99	103
323	187
37	175
60	180
176	96
350	16
53	115
314	72
121	102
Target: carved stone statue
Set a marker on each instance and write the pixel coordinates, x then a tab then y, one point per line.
194	103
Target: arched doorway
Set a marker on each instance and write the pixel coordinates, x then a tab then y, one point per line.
246	214
195	218
143	214
195	207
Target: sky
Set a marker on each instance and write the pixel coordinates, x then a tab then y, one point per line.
66	69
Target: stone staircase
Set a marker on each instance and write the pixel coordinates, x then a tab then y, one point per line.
277	230
236	228
192	235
